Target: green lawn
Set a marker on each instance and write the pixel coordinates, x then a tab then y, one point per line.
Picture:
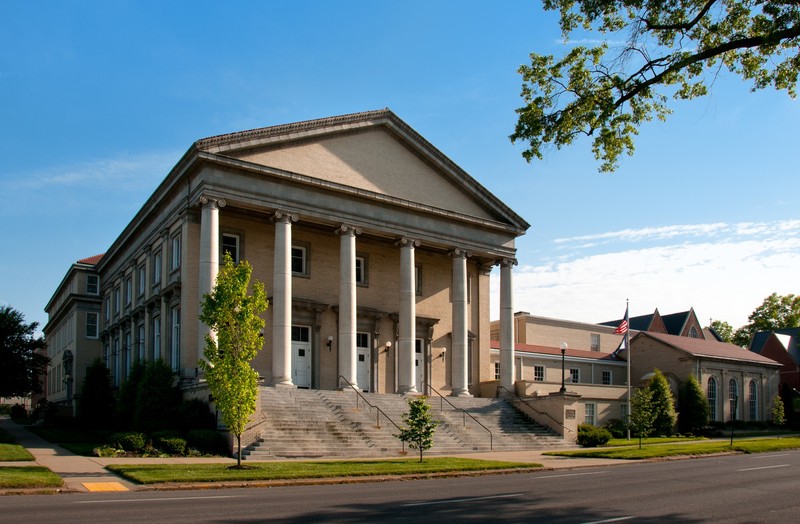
28	477
157	473
78	441
760	445
651	440
10	450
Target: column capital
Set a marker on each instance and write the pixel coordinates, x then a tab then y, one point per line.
407	241
346	229
460	253
507	262
283	216
217	203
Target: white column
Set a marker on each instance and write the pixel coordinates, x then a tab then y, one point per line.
209	259
347	305
507	372
459	358
406	374
282	301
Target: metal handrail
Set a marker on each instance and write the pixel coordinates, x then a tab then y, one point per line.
548	415
463	411
378	410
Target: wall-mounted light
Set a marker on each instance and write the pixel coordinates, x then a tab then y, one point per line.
444	353
330	342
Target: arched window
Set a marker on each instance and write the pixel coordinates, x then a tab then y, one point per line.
733	397
693	333
753	400
712	398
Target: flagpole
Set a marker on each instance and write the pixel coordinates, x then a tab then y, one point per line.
628	348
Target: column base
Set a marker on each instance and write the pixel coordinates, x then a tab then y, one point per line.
283	383
403	390
460	393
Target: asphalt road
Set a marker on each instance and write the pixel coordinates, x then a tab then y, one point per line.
741	488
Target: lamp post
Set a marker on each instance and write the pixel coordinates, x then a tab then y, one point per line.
563	354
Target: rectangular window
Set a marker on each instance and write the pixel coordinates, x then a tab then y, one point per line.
538	373
418	280
300	261
142	280
623	412
589	412
175	342
128	291
230	245
156	338
108	307
595	342
301	334
126	352
497	370
140	342
575	375
92	284
117	300
116	361
91	325
361	270
176	253
607	378
157	268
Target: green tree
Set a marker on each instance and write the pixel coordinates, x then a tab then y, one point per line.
723	329
642	417
233	316
662	404
778	412
96	402
157	398
693	407
775	312
125	408
670	49
21	366
420	425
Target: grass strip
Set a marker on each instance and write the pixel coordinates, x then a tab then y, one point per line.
760	445
13	452
28	477
159	473
614	442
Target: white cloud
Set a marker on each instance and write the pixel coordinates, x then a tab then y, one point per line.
724	276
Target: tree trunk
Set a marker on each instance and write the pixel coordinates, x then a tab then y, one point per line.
239	451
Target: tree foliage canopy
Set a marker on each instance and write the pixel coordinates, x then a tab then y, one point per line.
662	404
775	312
234	317
21	367
693	407
420	425
642	417
673	48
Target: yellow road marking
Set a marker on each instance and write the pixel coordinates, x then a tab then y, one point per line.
104	486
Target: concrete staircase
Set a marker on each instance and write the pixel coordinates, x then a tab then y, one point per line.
303	423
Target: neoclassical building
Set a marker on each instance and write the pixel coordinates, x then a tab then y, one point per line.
375	250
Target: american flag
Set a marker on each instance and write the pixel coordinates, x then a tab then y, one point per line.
623	326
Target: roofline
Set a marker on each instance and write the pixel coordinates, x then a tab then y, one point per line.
703	356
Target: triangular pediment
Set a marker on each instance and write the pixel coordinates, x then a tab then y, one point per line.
372	152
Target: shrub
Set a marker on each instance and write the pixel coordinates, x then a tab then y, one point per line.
172	445
195	414
157	398
125	409
130	441
617	428
96	402
18	412
208	441
590	436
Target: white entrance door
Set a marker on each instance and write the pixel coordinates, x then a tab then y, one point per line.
363	361
419	363
301	356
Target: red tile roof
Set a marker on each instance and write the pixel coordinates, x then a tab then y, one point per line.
92	261
548	350
707	348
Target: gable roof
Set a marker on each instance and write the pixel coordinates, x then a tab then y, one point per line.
272	147
788	338
697	347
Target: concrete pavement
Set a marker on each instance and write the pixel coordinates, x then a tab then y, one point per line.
88	474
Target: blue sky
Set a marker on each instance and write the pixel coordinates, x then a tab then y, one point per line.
101	98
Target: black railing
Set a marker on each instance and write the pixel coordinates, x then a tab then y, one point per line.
464	412
514	396
378	411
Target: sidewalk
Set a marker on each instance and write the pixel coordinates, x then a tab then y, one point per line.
88	474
